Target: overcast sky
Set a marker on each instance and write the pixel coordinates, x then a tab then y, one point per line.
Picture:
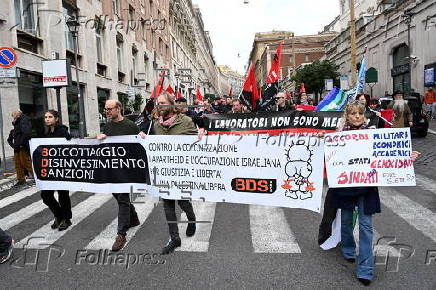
232	24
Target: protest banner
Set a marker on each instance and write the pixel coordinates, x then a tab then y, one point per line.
111	165
265	170
272	123
276	123
380	157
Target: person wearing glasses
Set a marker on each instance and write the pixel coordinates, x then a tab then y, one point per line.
117	126
281	104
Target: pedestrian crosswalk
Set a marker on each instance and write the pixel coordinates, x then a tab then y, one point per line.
271	230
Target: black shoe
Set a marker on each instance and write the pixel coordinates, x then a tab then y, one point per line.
56	223
365	282
190	230
64	225
171	246
350	260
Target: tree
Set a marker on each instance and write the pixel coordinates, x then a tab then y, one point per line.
136	103
314	74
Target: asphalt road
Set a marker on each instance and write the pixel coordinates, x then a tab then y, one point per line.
242	247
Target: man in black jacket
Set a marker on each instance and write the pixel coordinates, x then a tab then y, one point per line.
19	140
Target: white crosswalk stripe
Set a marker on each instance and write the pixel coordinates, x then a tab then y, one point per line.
425	183
45	236
18	196
144	206
270	231
23	214
204	212
421	218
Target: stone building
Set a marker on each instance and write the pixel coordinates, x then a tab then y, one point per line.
122	44
296	51
399	35
192	52
230	80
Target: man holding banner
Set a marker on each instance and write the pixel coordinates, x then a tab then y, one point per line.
172	122
118	126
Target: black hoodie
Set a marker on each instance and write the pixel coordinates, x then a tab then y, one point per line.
60	131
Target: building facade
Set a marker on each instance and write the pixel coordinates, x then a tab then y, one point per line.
230	80
296	51
193	63
399	36
122	46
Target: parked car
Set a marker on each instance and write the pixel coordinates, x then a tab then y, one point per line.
420	122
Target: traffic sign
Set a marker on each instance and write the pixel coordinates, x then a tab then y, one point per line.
8	57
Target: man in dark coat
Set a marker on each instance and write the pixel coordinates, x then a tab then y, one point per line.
19	140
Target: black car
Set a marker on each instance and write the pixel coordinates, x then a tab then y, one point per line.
420	122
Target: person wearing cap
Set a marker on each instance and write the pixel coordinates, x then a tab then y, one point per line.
403	117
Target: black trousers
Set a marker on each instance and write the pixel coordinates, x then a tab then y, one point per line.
329	215
5	242
170	214
126	212
61	209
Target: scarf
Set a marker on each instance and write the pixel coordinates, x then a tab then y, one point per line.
167	122
348	127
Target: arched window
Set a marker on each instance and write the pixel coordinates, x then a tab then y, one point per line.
401	69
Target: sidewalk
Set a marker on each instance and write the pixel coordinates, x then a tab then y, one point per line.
10	168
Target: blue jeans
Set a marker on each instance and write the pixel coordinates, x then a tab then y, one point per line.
365	260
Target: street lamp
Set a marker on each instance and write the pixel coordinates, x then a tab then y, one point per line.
408	14
73	27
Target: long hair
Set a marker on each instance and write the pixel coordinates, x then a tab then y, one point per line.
354	105
56	116
171	100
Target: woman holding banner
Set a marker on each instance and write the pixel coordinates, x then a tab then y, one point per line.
61	209
171	121
366	199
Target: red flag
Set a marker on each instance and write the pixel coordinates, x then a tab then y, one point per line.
230	93
274	72
250	87
170	90
388	115
198	95
302	88
179	94
158	88
306	107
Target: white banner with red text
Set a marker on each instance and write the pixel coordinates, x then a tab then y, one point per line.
284	171
377	157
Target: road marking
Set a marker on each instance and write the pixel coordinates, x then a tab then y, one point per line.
413	213
431	131
17	196
425	183
23	214
46	236
204	211
270	232
105	239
